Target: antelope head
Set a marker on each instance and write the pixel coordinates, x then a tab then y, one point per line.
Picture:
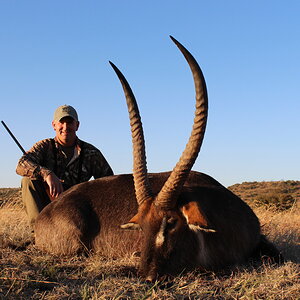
168	246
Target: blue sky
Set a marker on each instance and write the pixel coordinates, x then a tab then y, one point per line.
57	52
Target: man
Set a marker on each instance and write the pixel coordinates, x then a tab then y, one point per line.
54	165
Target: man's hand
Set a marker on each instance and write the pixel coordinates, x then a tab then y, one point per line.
55	186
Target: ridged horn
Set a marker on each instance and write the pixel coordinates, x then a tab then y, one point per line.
168	195
142	187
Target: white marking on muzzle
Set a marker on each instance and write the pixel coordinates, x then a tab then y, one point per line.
160	238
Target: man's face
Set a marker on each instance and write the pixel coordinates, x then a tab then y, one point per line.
66	130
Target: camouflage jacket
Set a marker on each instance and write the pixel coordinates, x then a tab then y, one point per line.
47	156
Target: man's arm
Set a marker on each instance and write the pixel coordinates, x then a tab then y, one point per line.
31	165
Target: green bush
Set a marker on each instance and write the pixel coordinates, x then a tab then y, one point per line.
275	200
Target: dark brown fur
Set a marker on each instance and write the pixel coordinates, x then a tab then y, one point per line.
81	217
74	222
229	232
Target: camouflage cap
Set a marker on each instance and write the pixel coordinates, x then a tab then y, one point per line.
65	111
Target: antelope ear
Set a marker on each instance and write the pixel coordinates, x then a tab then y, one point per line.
132	224
195	218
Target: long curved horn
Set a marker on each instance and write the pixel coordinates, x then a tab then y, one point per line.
169	192
141	183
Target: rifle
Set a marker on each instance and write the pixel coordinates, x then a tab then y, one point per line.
13	137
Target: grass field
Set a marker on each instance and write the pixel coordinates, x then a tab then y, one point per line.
27	273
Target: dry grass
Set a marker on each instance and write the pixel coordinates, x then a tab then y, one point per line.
26	273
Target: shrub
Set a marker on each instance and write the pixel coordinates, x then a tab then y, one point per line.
275	200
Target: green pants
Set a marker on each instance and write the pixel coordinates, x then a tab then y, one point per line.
34	197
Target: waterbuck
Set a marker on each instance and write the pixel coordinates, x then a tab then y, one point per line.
188	219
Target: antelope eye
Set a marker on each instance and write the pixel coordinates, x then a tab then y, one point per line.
171	222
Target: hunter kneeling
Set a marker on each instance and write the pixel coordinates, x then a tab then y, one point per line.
55	164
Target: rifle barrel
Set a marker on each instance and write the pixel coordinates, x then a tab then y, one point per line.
13	137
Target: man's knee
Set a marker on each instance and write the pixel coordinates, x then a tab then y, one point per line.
28	183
